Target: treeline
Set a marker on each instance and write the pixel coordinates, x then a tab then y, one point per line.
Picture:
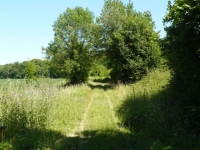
17	70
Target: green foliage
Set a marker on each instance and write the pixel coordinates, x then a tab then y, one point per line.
41	68
129	39
30	71
99	66
69	52
99	71
5	146
17	70
182	45
126	39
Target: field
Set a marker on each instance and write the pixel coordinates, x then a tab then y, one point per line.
93	116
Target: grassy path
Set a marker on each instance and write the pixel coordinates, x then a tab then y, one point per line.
80	128
98	128
112	109
99	113
82	124
99	116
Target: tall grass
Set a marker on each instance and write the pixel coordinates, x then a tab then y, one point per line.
148	109
136	116
141	108
25	110
68	108
37	113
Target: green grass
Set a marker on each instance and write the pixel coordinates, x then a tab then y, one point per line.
100	116
97	118
140	108
68	108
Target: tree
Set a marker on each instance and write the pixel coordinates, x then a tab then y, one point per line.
29	72
1	71
41	67
15	70
69	51
182	46
129	39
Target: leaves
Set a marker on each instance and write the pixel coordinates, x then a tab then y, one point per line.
69	52
182	45
129	40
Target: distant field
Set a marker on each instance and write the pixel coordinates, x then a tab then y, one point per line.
45	115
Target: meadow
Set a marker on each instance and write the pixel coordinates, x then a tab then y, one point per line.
46	115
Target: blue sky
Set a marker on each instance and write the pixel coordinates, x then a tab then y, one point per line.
26	26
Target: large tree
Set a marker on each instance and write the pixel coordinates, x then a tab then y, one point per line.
129	39
182	24
69	51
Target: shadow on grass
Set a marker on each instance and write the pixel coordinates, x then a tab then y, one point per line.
102	80
155	122
35	139
100	140
88	140
101	86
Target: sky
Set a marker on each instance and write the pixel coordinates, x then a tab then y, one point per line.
26	26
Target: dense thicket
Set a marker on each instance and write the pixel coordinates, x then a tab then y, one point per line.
129	39
182	45
40	68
